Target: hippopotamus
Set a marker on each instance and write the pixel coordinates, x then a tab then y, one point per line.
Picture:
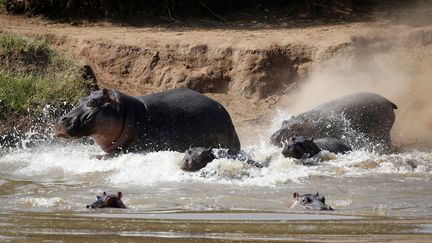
172	120
298	147
360	119
310	201
108	201
198	158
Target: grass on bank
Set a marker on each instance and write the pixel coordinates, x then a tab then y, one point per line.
32	74
3	6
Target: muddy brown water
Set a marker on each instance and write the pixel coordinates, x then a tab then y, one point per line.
377	198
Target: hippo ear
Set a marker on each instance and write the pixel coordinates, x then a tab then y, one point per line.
104	193
119	195
317	193
296	195
108	96
311	138
105	93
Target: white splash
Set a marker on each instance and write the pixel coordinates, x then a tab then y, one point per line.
71	161
43	202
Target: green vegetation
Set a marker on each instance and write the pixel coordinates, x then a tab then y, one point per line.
32	74
2	6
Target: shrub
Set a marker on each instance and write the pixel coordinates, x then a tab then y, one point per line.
33	74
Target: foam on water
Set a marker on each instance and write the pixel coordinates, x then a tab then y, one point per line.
76	160
68	161
43	202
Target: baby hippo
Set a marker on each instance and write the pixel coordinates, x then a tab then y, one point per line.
198	157
108	201
299	147
310	201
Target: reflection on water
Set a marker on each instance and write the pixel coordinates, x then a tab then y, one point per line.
44	190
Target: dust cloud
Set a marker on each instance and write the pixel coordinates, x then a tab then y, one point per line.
396	63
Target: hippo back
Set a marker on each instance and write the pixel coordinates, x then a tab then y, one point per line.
359	119
182	118
367	112
332	145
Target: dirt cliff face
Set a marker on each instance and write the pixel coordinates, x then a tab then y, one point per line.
248	71
251	72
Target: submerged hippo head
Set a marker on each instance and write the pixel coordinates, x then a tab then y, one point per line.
99	115
298	148
291	127
310	201
108	201
197	158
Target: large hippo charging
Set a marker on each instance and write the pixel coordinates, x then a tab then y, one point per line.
172	120
360	119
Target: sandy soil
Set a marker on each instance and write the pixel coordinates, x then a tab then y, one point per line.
94	44
252	71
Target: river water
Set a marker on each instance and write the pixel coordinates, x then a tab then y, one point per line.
44	189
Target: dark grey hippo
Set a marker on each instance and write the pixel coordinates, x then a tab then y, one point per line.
108	201
170	120
298	147
310	201
198	157
360	119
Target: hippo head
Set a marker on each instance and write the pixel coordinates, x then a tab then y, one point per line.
98	115
298	148
197	158
310	201
290	127
108	201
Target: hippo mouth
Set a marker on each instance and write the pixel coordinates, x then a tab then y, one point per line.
69	129
60	133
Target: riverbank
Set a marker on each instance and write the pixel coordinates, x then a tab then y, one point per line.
256	71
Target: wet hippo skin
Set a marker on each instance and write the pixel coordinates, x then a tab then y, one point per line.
172	120
362	114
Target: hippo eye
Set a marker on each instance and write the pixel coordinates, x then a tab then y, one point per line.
92	103
305	200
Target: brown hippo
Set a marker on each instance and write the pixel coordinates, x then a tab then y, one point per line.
298	147
108	201
170	120
310	201
361	120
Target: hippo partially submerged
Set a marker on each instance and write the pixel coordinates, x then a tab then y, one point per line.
170	120
360	119
310	201
298	147
198	158
108	201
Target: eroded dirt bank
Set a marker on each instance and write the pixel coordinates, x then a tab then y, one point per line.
251	72
247	70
